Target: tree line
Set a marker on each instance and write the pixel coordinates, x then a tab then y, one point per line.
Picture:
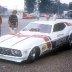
46	6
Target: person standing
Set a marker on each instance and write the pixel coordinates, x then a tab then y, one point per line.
0	24
13	22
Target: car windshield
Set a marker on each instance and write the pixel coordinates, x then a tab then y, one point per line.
45	28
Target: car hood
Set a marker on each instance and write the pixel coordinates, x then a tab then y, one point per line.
21	40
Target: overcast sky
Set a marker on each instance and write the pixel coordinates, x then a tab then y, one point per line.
19	4
12	4
66	1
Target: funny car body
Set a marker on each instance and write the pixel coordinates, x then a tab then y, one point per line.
34	40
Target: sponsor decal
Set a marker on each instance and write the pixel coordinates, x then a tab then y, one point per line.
44	47
49	44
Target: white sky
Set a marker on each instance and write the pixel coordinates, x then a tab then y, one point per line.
19	4
65	1
12	4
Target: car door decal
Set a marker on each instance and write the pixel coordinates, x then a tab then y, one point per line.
47	39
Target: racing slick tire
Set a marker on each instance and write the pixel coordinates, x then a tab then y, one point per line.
70	40
34	54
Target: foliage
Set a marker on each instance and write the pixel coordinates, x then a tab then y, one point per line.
46	6
29	5
70	5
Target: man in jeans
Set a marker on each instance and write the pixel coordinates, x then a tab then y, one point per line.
13	22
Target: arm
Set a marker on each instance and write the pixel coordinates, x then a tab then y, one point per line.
9	21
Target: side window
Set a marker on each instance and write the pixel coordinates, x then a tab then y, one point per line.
58	27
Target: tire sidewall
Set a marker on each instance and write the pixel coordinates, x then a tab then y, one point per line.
30	59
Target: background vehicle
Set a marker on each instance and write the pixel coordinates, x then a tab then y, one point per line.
28	16
68	14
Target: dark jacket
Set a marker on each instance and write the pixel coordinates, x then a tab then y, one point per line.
13	20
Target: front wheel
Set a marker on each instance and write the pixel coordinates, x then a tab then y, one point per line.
34	54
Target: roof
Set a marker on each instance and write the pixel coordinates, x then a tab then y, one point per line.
50	22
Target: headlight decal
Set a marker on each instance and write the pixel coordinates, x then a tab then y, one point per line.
11	52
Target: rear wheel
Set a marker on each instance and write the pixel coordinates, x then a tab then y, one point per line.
34	54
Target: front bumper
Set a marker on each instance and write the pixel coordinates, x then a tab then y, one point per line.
13	58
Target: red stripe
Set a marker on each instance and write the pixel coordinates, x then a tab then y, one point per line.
21	35
46	38
68	24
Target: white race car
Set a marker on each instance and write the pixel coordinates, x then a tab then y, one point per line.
34	40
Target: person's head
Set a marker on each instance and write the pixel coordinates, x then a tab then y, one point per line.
14	12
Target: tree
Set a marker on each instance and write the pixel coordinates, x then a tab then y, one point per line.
64	7
44	6
50	6
70	6
30	5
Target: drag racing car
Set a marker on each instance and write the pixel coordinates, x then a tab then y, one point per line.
34	40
